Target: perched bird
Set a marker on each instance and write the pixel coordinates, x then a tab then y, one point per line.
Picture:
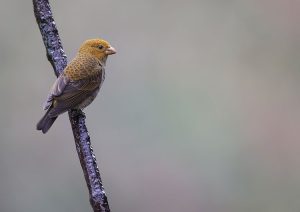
79	83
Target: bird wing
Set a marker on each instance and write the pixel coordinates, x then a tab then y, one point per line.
74	93
56	90
78	81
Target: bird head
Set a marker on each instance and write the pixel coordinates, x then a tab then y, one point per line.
98	48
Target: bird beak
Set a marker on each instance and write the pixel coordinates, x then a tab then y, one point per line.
110	50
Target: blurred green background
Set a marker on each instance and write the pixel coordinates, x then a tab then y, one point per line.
199	112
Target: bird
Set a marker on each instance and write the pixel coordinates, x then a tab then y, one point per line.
79	83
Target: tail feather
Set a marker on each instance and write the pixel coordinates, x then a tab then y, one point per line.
46	122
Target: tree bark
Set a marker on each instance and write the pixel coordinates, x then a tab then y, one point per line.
58	60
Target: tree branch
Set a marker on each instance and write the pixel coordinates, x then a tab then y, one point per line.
58	60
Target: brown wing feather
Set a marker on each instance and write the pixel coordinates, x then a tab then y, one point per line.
56	90
74	93
59	85
78	81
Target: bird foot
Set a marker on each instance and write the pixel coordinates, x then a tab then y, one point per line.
77	112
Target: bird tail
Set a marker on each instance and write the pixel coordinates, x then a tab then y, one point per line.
46	122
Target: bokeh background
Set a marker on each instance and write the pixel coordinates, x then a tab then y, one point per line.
199	112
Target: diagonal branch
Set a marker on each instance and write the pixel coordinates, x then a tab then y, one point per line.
58	60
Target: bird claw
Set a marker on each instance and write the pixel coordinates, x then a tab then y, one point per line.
77	112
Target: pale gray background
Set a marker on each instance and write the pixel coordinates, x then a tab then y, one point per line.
200	110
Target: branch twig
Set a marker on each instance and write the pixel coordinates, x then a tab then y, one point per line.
58	60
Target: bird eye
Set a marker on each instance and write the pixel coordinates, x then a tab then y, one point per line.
100	47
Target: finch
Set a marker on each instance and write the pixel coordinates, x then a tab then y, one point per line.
79	83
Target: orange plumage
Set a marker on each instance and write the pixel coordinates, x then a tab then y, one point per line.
79	83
